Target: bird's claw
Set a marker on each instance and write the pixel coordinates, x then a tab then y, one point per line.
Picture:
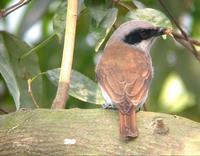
108	106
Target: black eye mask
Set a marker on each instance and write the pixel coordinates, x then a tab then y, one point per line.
140	34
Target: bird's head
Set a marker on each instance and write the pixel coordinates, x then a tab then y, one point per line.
138	33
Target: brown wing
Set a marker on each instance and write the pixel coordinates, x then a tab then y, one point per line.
125	74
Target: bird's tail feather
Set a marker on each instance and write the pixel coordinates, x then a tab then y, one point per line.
128	127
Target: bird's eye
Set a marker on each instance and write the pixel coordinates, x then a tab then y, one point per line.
143	34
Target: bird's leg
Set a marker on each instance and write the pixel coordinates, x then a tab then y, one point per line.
14	7
142	106
145	107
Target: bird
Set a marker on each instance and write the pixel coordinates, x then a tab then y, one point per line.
124	72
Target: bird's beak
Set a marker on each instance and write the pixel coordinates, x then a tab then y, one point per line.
166	31
161	31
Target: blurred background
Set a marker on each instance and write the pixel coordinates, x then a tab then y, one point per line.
175	88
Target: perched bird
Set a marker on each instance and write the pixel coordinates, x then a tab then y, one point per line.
124	71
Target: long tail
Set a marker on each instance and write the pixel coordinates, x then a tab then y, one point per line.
128	127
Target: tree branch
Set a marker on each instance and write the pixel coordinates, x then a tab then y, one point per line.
7	11
94	132
185	42
67	58
189	45
179	36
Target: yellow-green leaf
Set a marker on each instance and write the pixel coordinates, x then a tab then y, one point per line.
81	87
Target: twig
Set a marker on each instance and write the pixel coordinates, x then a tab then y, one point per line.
29	82
122	4
179	36
67	58
7	11
37	47
31	93
192	49
125	6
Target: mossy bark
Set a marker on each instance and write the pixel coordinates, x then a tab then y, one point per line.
94	132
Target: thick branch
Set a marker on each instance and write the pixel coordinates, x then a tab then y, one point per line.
67	58
94	132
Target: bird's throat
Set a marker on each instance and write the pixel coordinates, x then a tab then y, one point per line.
144	45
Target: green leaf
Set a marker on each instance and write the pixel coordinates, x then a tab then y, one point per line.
97	10
37	47
59	19
138	4
153	16
81	87
102	20
100	30
17	73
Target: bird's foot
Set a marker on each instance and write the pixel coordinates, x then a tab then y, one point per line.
108	106
142	107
